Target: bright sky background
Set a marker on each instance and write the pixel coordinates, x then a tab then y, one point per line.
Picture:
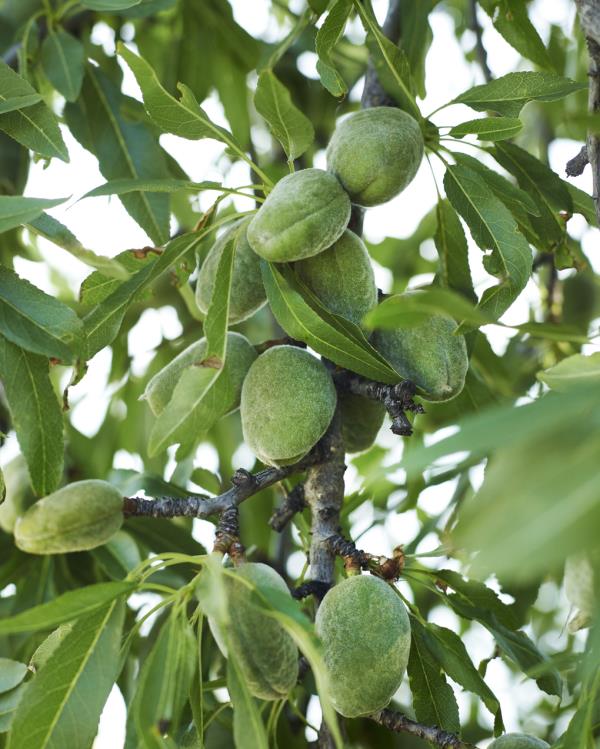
103	225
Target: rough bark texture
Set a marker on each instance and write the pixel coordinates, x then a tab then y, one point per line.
589	16
401	724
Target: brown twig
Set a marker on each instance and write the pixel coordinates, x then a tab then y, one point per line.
479	48
245	484
401	724
293	503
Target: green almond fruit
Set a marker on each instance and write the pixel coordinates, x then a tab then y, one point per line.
429	354
518	741
365	631
19	495
288	401
264	651
247	291
303	215
77	517
342	278
239	355
375	153
361	421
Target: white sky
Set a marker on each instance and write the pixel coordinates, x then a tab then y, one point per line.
103	225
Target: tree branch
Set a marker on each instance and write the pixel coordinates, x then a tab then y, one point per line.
401	724
479	48
577	164
374	95
245	485
589	16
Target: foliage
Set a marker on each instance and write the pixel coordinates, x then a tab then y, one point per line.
493	491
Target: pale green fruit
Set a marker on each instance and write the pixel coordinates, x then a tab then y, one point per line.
247	291
288	401
77	517
429	354
239	355
303	215
579	589
361	421
19	495
264	652
375	153
518	741
365	632
342	278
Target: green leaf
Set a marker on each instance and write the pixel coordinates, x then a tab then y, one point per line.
124	148
195	404
123	186
19	102
63	702
34	127
543	185
287	123
36	415
519	202
451	245
12	674
36	321
63	58
109	5
9	702
16	210
51	229
488	128
183	117
473	600
434	702
248	729
165	680
493	228
304	318
74	604
448	650
580	731
327	37
408	310
572	372
391	63
508	94
511	20
530	513
102	323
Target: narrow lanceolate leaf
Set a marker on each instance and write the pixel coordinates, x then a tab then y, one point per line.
573	372
123	186
34	127
493	228
194	406
183	117
489	128
63	57
51	229
508	94
287	123
12	674
63	701
448	650
408	310
36	414
16	210
545	187
327	37
390	62
510	19
249	731
109	5
302	317
124	149
102	323
19	102
433	699
75	604
581	729
36	321
452	249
